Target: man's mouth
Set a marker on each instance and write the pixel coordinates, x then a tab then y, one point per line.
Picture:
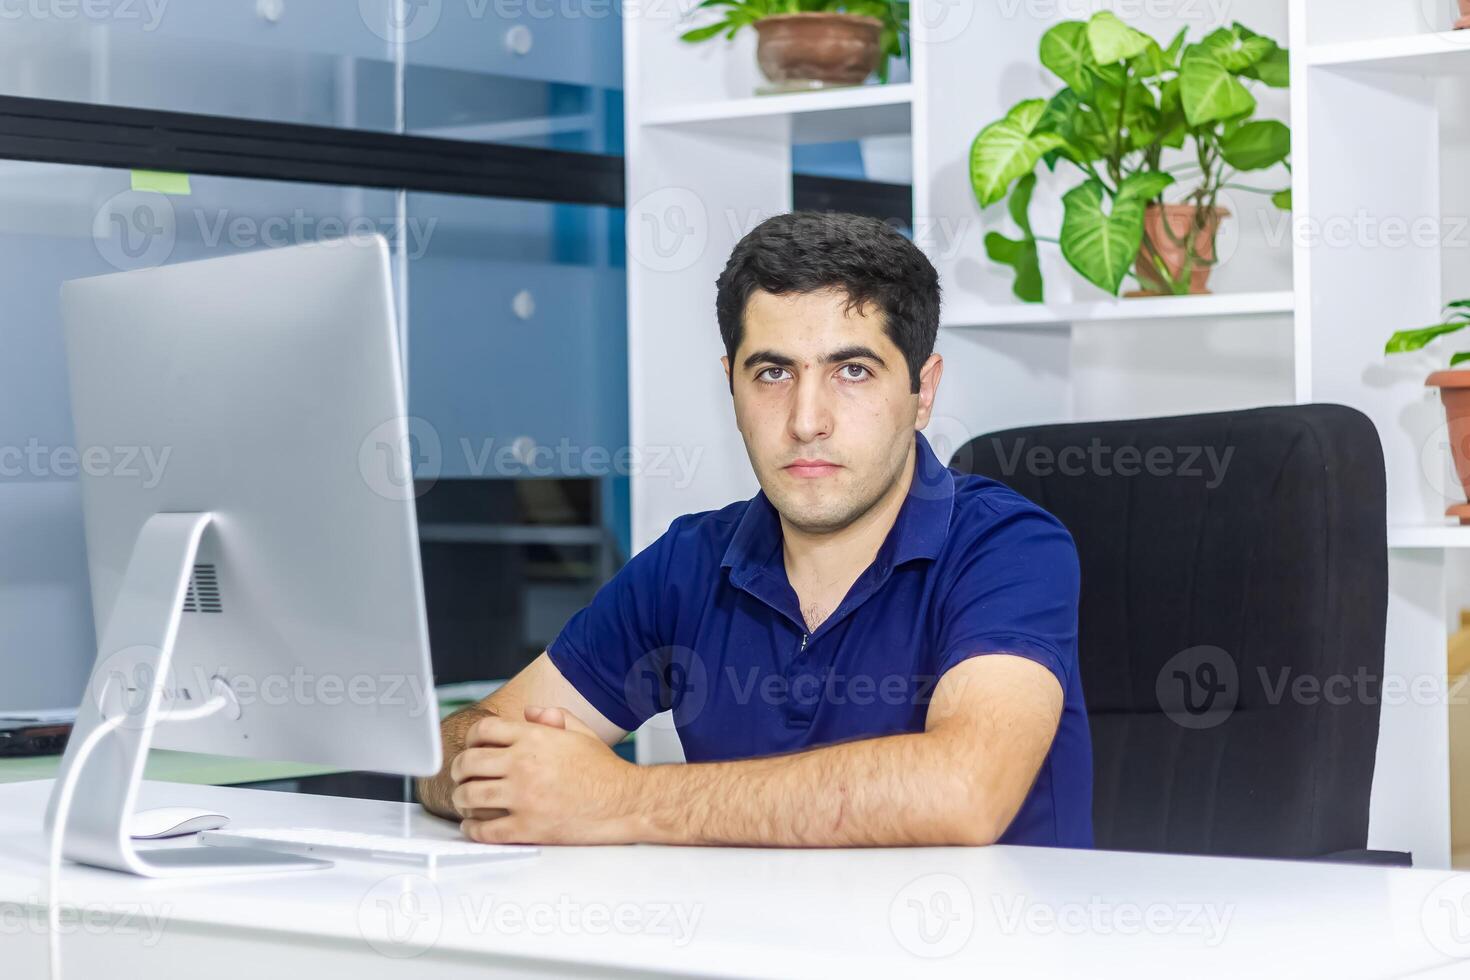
809	469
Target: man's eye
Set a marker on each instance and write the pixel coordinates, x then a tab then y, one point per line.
769	374
854	372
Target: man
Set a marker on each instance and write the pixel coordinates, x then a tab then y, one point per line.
874	650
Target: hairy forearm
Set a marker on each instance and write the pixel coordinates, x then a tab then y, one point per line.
435	791
915	789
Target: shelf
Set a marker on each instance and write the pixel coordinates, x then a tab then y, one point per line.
823	116
1428	536
1443	52
513	534
1064	315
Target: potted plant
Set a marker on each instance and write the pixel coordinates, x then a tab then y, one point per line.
804	44
1454	389
1126	99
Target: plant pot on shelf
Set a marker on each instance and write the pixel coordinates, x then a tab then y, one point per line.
1169	245
1464	20
817	50
1454	392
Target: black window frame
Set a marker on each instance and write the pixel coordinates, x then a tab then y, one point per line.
122	137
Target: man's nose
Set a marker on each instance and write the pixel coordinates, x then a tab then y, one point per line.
811	415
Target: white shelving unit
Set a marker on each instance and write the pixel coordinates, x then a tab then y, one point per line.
1281	302
1440	52
1378	97
803	117
1431	536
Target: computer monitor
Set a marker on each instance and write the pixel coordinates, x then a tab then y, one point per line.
262	545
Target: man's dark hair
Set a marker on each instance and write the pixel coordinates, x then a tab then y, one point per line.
804	251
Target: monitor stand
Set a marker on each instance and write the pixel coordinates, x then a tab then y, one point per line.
128	681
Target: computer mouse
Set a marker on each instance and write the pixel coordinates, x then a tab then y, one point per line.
173	821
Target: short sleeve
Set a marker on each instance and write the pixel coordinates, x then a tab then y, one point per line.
611	646
1015	593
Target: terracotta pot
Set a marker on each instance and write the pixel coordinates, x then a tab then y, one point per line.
1170	247
1464	20
832	49
1454	392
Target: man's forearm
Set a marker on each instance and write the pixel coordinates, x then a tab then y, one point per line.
923	788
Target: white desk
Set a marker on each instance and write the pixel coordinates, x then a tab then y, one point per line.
624	911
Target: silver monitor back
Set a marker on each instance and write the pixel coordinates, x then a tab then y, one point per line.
265	389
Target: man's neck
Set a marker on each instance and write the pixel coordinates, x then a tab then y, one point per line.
820	560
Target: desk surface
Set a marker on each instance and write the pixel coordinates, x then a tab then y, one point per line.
998	911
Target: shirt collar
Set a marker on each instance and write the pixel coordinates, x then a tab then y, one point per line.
919	530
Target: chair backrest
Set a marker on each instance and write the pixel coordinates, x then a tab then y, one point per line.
1231	629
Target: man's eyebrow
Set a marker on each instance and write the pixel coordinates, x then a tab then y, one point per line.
769	357
854	353
850	353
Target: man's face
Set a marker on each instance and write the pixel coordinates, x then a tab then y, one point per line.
824	402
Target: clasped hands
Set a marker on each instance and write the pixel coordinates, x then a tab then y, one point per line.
548	779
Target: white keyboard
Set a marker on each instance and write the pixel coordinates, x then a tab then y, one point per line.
423	852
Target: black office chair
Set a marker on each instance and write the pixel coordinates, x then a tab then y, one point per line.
1224	557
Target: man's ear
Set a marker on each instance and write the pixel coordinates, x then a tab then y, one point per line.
929	376
725	363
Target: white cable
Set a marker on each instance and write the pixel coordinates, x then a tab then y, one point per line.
63	811
58	832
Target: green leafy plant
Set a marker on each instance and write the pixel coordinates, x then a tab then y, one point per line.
1126	99
1457	317
736	15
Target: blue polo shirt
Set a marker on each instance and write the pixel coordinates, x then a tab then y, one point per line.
704	622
